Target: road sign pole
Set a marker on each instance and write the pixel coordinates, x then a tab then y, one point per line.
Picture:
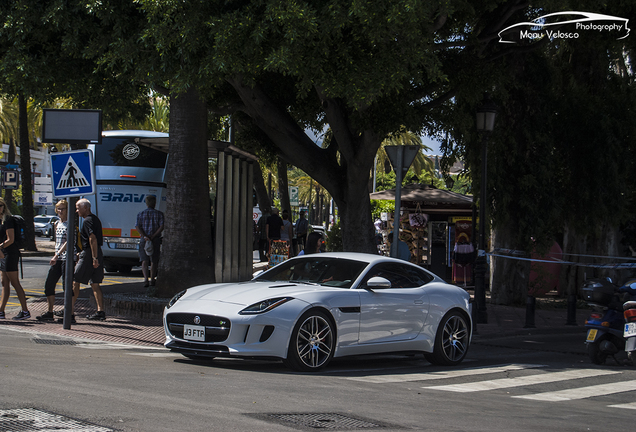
70	263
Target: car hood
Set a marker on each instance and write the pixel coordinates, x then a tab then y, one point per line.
247	293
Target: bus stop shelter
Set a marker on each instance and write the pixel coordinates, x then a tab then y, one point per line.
233	254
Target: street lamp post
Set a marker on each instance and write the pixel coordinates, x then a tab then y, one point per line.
485	123
34	165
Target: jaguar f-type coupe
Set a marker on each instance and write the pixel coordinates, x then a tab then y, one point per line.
312	308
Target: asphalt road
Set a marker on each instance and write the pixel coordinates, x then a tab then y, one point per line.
498	388
518	383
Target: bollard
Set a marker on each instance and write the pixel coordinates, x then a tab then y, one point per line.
571	320
530	305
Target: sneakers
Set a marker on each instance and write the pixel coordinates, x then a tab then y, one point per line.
46	316
99	315
22	315
2	315
61	320
59	313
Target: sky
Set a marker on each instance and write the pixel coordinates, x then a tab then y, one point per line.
428	142
434	145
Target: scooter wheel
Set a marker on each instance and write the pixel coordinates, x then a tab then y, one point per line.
595	353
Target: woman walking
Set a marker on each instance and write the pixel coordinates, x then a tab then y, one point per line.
10	254
57	263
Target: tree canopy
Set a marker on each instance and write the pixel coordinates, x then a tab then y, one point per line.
362	68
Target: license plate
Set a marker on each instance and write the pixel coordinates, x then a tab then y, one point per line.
192	332
630	329
125	246
591	335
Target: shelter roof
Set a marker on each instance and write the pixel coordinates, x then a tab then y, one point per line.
428	197
214	147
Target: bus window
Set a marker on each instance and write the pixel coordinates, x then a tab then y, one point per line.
125	152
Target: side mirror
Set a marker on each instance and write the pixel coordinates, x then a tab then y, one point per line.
378	282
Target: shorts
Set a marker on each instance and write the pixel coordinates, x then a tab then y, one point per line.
11	261
85	273
156	250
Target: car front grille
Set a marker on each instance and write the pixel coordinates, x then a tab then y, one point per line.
217	328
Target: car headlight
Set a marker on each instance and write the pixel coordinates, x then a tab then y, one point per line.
264	306
176	297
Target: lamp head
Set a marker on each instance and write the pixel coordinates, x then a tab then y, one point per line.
486	114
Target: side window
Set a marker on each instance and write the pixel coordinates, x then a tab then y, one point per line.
418	276
399	275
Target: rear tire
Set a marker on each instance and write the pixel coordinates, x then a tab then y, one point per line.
451	341
594	351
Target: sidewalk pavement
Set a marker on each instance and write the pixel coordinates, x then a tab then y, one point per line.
506	324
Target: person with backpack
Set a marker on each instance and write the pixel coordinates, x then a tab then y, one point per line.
10	257
302	225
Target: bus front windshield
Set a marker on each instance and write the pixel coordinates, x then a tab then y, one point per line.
125	152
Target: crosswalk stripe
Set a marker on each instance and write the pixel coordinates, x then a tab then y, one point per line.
396	378
583	392
627	406
521	381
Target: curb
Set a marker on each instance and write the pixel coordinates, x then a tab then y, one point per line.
132	305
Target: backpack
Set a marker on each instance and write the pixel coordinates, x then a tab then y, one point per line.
18	232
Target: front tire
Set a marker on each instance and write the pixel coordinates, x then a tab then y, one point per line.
312	342
451	341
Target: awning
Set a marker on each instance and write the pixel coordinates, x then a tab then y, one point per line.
213	148
430	199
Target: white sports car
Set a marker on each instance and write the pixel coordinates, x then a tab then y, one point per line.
312	308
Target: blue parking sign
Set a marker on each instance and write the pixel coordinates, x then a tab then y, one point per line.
73	173
10	179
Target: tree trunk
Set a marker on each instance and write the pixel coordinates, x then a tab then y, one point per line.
283	187
572	276
509	276
187	256
25	166
264	203
345	175
355	214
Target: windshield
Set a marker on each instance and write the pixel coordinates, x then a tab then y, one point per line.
334	272
116	151
41	219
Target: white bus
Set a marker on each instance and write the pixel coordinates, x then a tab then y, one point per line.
125	173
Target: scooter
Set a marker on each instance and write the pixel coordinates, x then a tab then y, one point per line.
629	332
606	325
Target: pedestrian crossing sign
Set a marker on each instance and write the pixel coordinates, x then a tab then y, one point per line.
73	173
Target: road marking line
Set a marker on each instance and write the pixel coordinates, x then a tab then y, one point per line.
521	381
395	378
583	392
627	405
